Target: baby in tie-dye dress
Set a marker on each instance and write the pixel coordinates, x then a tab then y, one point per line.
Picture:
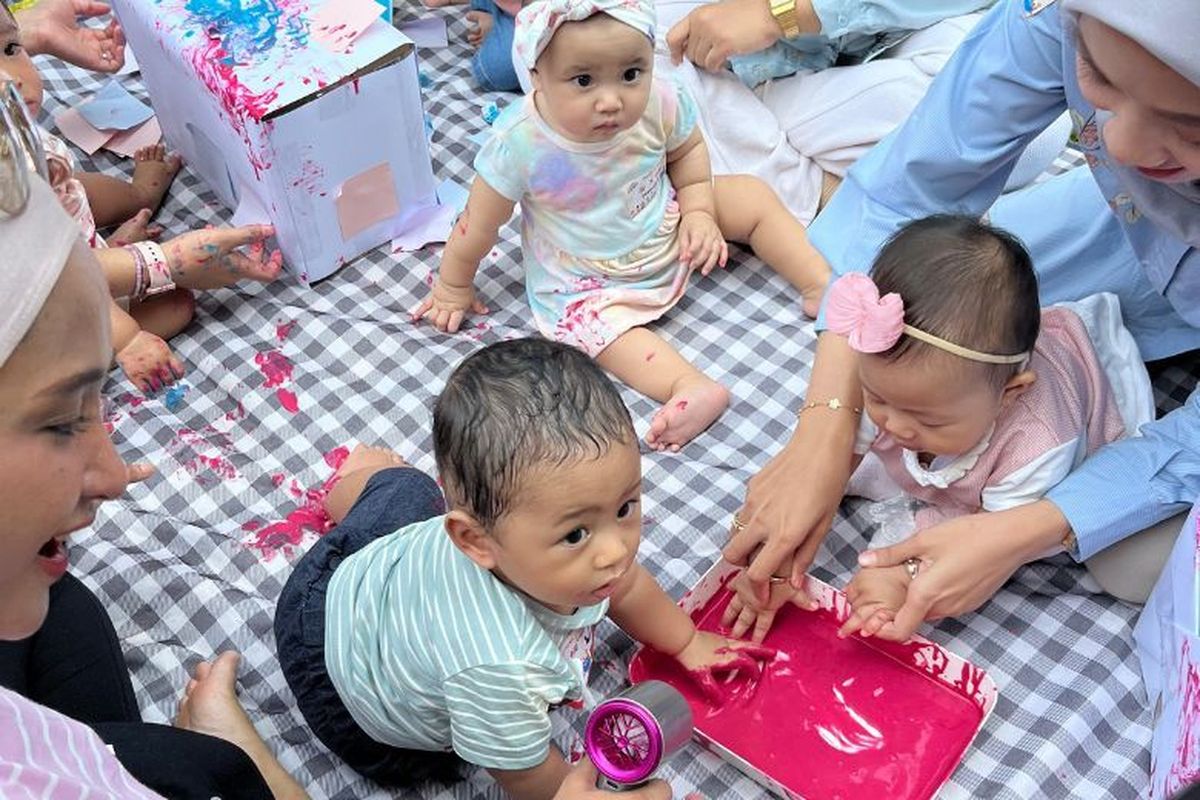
618	206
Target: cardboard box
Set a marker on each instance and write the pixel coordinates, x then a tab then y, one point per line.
920	659
292	117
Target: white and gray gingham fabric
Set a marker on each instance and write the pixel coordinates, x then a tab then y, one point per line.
170	563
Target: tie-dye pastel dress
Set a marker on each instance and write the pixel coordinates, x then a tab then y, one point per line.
599	222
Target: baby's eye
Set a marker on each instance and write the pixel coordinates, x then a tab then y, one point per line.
576	537
632	74
626	509
583	81
12	48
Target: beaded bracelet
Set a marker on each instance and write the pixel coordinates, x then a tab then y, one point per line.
833	403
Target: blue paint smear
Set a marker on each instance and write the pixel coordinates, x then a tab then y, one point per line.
174	396
490	112
246	28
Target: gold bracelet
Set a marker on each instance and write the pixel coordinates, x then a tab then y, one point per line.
833	403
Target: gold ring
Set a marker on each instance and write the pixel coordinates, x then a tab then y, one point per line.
738	525
913	565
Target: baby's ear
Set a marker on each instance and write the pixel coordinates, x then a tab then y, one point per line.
470	537
1017	385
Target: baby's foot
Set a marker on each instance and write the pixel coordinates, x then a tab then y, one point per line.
696	404
362	463
479	25
135	229
153	171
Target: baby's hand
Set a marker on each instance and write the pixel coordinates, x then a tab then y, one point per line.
701	245
875	595
742	614
149	363
210	258
708	655
446	306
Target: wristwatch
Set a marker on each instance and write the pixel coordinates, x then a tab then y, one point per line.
784	12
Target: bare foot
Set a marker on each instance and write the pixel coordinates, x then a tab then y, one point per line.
149	363
153	171
210	705
356	470
696	404
479	25
135	229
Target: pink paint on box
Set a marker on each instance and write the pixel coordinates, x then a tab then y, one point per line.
834	718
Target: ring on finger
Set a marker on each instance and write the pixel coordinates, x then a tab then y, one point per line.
913	566
738	524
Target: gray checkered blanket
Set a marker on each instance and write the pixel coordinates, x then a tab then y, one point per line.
191	562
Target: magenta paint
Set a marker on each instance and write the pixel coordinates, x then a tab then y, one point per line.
831	717
285	536
287	399
283	330
1185	768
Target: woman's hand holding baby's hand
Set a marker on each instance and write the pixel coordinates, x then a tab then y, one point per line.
701	245
149	363
742	614
210	259
446	306
708	655
875	595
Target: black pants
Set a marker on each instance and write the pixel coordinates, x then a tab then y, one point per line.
74	665
391	499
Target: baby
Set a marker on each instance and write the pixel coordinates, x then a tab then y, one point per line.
416	637
99	201
618	206
975	398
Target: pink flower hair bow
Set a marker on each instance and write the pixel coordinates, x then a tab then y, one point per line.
871	323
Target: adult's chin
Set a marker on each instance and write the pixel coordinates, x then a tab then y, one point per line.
23	606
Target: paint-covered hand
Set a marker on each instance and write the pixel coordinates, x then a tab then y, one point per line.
447	305
875	596
708	656
743	615
52	27
211	258
701	245
581	785
149	363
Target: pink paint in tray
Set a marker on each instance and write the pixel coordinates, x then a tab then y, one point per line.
830	718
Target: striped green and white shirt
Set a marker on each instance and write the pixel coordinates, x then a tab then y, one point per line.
431	652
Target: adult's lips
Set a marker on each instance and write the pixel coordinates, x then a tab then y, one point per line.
52	558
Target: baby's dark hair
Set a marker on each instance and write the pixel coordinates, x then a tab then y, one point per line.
516	405
963	281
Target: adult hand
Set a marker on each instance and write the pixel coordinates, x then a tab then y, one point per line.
965	561
709	35
581	785
52	27
209	258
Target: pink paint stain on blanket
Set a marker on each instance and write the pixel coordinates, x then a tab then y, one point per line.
286	535
276	368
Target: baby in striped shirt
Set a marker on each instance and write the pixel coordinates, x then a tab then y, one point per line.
417	636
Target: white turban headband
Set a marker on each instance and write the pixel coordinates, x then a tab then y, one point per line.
538	21
34	246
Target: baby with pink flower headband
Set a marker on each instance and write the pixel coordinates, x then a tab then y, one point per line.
976	399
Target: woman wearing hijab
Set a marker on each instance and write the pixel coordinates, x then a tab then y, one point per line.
1129	73
66	700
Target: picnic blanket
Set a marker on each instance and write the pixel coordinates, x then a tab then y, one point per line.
191	562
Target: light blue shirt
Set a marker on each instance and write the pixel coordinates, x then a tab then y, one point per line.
856	30
1011	77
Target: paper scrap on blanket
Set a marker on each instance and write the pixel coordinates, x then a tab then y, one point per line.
429	225
126	143
451	193
428	32
79	131
366	199
339	23
114	108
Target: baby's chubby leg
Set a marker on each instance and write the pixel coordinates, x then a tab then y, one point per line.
749	212
691	400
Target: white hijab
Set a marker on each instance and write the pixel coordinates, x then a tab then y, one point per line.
34	246
1170	31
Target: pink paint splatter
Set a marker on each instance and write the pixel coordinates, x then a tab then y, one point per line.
285	535
277	479
283	330
681	405
650	356
275	367
1185	769
288	400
